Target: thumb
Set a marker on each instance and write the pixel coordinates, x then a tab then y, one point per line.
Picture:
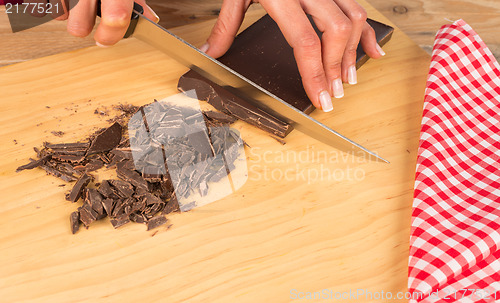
225	29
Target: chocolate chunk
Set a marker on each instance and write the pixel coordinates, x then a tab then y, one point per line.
34	163
137	218
120	221
107	140
87	214
156	222
77	190
74	220
152	199
123	189
106	190
122	153
171	206
261	54
94	198
108	205
94	165
132	177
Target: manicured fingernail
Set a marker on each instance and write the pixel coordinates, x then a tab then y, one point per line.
101	45
154	14
380	50
352	78
338	89
204	48
326	101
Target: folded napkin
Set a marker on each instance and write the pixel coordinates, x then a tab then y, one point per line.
455	235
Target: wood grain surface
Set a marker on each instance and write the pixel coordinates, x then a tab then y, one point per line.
308	219
419	19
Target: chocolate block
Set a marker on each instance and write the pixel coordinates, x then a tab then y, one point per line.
261	54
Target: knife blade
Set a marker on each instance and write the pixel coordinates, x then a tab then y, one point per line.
153	34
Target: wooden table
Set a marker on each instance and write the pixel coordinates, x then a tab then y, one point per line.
419	19
279	235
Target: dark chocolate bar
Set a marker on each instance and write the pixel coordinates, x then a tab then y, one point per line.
261	54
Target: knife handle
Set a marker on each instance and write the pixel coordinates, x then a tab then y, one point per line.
133	18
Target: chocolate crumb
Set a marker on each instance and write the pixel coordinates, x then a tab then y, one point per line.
58	133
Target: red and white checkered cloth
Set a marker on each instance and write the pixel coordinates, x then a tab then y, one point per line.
455	236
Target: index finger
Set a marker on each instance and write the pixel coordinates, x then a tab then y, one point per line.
306	45
115	20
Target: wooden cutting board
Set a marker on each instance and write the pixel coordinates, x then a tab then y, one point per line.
308	219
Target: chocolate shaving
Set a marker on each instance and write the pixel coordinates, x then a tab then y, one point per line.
34	163
57	173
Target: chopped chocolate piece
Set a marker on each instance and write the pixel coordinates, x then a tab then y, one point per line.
171	206
87	214
107	140
104	158
94	165
34	163
152	199
122	153
94	198
219	117
66	167
132	177
77	190
106	190
120	221
74	220
156	222
137	218
57	173
138	205
118	208
108	205
123	189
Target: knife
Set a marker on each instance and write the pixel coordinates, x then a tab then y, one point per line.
153	34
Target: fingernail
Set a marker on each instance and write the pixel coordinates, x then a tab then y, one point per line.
352	78
101	45
153	13
326	101
338	89
380	50
204	48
